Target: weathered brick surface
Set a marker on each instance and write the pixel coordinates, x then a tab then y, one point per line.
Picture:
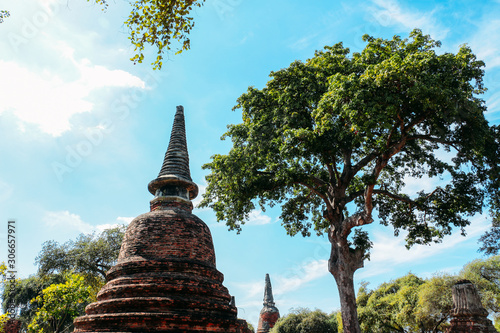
468	314
12	326
165	279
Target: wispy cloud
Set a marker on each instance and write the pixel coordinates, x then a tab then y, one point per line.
493	103
48	98
73	222
258	218
67	220
388	251
391	13
292	279
5	191
304	42
300	275
485	42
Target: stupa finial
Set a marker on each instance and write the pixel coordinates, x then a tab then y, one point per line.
268	292
174	179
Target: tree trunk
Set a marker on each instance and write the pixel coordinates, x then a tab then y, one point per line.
342	264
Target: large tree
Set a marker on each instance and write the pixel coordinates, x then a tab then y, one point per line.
345	131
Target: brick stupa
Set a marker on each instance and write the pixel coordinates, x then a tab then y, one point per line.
269	313
165	279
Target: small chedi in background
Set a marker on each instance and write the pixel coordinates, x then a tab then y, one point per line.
269	313
468	314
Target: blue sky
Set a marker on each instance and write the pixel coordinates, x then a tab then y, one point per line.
83	129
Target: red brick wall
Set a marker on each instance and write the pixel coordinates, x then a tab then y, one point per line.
12	326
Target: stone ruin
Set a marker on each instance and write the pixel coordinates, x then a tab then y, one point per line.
165	279
468	314
269	313
12	326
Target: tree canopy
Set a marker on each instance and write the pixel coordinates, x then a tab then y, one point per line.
333	140
91	255
306	321
25	291
407	304
60	304
159	23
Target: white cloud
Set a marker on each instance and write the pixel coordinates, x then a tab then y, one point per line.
303	42
252	289
68	221
5	191
390	13
493	102
389	251
485	43
292	279
49	97
124	220
258	218
73	222
300	275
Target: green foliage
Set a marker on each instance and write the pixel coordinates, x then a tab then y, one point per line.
60	304
3	320
4	14
91	255
435	302
339	130
25	291
4	317
306	321
391	307
408	305
491	239
159	23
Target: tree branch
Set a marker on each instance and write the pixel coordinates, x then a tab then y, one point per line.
364	162
433	139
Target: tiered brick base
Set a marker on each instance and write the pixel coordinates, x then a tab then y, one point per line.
165	280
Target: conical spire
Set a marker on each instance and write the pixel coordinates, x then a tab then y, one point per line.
174	179
176	161
268	292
